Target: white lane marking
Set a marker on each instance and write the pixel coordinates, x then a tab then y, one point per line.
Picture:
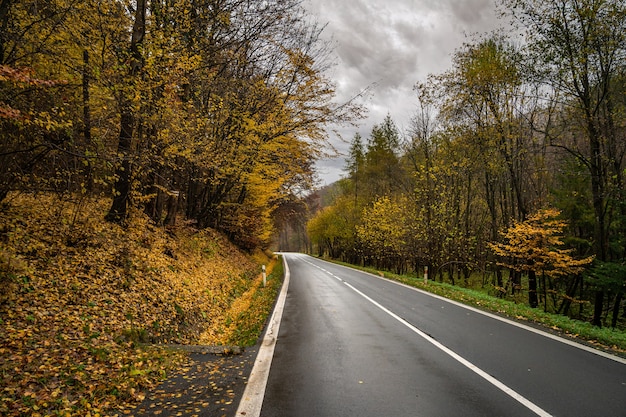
540	332
504	388
252	399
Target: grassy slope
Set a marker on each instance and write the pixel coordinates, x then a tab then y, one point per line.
82	301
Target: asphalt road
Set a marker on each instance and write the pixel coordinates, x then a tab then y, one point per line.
352	344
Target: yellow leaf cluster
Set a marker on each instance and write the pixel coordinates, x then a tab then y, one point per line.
383	225
535	245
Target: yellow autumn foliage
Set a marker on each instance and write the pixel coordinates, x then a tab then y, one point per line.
84	303
536	245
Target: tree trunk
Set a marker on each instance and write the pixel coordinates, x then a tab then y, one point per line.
516	281
618	300
597	308
499	280
172	208
121	190
570	293
87	119
122	187
544	290
5	5
532	289
601	239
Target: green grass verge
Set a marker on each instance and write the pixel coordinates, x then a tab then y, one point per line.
250	323
604	338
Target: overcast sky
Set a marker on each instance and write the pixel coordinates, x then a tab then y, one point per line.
392	44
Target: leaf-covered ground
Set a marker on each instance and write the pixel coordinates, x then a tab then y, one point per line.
85	303
206	386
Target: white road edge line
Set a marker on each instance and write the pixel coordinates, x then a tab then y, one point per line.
504	388
252	399
540	332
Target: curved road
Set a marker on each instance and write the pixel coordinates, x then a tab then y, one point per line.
353	344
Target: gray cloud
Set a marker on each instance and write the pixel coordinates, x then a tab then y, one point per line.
391	45
472	13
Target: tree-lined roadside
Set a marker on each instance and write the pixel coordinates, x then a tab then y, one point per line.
511	177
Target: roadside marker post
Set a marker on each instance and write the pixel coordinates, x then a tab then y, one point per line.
426	274
264	276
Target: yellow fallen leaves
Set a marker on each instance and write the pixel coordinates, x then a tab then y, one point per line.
222	332
79	295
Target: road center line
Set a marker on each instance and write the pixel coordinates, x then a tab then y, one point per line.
495	382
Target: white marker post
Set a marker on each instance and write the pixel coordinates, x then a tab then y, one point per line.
264	276
426	274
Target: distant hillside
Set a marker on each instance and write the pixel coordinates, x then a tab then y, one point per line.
81	299
327	194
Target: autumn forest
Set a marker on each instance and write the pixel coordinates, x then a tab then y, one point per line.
211	109
151	149
511	177
145	149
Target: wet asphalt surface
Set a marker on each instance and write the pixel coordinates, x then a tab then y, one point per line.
209	385
352	344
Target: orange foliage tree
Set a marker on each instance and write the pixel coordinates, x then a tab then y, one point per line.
534	246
